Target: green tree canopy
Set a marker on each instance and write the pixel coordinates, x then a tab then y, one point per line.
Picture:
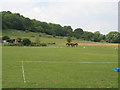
113	37
98	36
26	42
19	22
87	36
78	33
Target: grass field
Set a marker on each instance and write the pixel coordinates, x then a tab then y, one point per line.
60	41
65	67
0	66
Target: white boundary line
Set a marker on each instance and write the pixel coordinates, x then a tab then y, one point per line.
23	72
61	62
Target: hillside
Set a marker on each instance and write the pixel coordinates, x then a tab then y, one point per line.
19	22
42	36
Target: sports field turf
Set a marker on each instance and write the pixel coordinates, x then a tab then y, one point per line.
60	67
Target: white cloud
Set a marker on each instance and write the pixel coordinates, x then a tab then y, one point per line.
59	1
90	16
16	7
18	1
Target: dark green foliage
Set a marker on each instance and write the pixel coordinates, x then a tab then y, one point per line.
12	21
12	44
67	30
57	30
38	44
10	40
87	36
26	42
16	21
51	43
19	22
43	44
5	38
69	39
98	37
113	37
78	33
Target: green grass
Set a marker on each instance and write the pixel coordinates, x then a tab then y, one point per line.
0	66
44	37
17	33
60	75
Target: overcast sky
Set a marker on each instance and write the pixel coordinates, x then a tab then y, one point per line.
90	15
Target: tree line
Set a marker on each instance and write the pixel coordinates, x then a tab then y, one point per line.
19	22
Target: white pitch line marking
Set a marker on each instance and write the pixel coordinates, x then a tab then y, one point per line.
23	72
64	62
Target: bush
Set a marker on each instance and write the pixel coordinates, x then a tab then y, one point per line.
43	44
51	43
5	38
26	42
69	39
12	44
38	44
40	35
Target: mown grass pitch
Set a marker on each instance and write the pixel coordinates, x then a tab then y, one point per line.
47	74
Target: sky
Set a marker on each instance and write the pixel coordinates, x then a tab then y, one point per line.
90	15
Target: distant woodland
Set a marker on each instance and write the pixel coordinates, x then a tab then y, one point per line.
19	22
